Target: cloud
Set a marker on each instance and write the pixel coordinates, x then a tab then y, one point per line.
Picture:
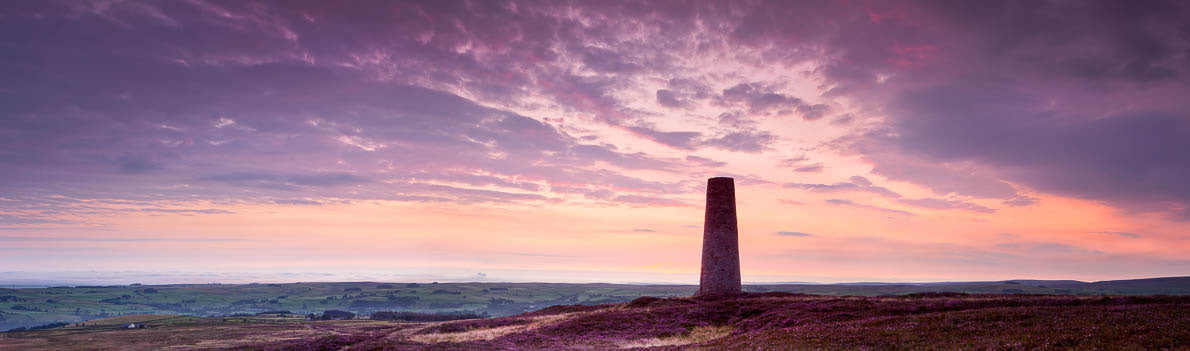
704	162
605	60
746	180
857	184
138	164
286	182
109	239
940	178
186	211
472	180
798	234
1046	249
798	165
751	141
1021	200
268	103
668	98
946	204
1068	108
298	202
1119	234
679	140
845	202
1076	100
814	168
843	120
741	140
25	219
761	100
639	200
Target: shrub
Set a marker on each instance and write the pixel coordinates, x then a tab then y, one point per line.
336	315
463	326
422	317
40	327
392	302
642	301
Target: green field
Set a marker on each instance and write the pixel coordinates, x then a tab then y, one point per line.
31	307
38	306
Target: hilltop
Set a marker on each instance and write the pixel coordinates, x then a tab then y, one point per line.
756	321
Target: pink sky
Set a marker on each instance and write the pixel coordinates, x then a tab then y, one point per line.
523	141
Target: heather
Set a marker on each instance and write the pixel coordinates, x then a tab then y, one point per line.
786	321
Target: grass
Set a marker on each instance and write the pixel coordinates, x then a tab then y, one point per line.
489	331
697	335
132	318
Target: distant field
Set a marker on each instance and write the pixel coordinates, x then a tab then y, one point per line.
32	307
759	321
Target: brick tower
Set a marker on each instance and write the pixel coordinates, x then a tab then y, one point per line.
720	241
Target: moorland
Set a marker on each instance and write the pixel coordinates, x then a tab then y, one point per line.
754	321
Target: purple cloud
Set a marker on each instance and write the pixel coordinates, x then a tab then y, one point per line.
849	203
1119	234
814	168
705	162
668	98
945	204
743	141
987	100
762	100
679	140
1074	101
856	184
797	234
1021	200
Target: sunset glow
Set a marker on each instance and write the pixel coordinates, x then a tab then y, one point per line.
238	141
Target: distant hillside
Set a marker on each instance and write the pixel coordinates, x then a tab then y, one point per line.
1170	286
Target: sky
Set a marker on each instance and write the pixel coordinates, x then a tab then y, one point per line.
232	141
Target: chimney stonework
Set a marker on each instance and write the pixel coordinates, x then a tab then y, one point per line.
720	241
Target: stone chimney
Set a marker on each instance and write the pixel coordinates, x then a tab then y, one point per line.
720	241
